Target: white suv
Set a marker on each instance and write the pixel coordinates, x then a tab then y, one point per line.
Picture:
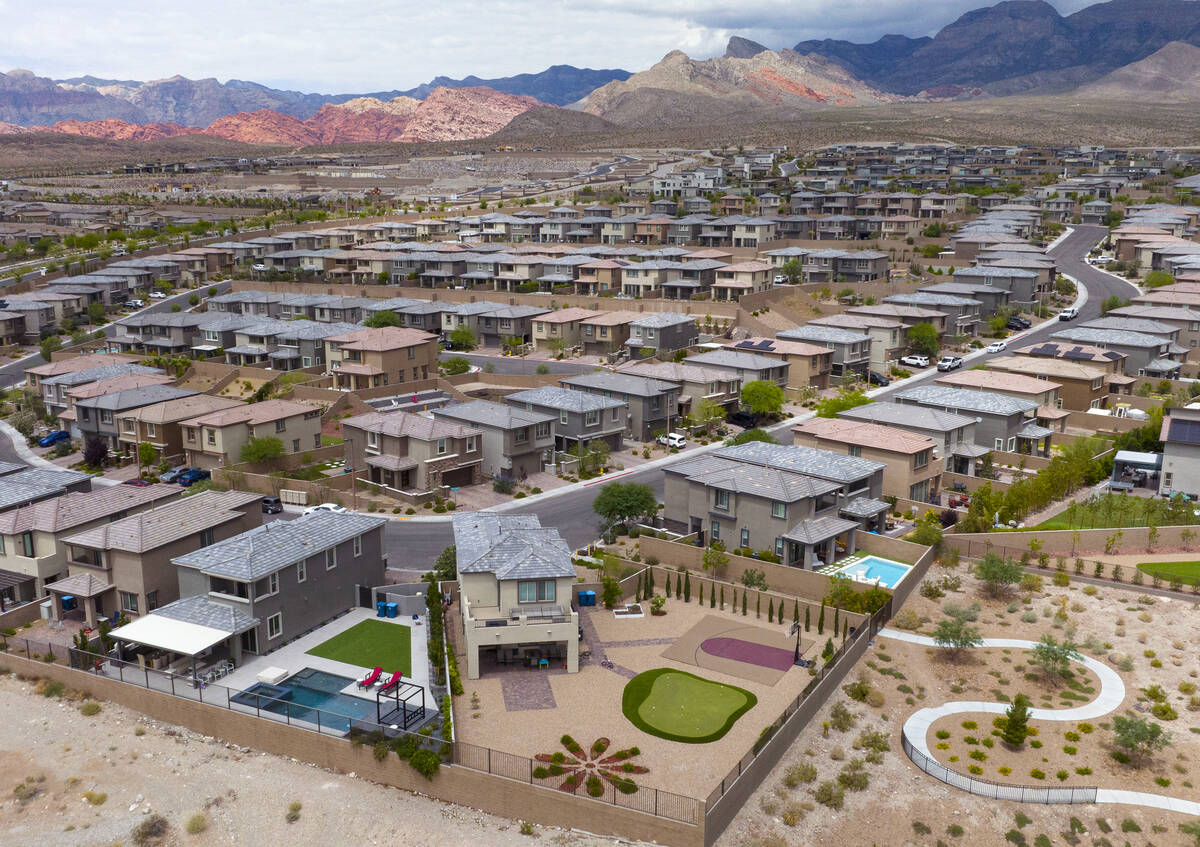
673	439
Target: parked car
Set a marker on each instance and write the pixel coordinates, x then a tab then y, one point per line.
157	295
272	505
742	418
135	304
997	347
195	475
138	481
949	363
1068	314
673	439
327	507
1018	323
259	266
52	438
780	279
876	378
915	361
174	473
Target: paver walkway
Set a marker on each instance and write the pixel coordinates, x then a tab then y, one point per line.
1112	694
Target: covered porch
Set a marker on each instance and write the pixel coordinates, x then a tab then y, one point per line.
193	637
1034	440
817	542
16	589
355	376
870	514
85	594
964	458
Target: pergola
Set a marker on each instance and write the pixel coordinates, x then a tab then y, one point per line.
183	638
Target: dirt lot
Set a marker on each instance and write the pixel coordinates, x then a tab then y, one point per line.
145	768
902	805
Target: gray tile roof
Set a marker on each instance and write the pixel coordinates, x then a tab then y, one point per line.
510	546
202	611
553	397
905	415
769	483
816	530
409	425
620	383
268	548
35	484
93	374
823	334
735	359
927	298
823	464
864	507
661	320
133	398
966	399
488	414
166	524
1121	338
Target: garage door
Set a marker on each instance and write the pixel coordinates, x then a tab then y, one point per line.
457	477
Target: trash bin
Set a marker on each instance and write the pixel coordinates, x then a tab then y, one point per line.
381	609
68	602
393	609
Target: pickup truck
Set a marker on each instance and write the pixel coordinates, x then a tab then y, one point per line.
1068	314
949	363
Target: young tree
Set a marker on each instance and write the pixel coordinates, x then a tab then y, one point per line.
622	502
708	413
754	578
1142	738
744	593
928	531
50	345
1016	722
762	397
445	567
386	317
147	455
95	452
610	591
687	587
700	601
848	398
998	574
955	635
793	269
770	609
96	313
462	338
923	340
667	589
457	365
748	435
807	626
714	559
1053	657
266	448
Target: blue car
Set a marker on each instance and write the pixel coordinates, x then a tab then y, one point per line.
50	439
194	475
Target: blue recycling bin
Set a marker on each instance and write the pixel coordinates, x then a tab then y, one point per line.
68	602
393	609
381	609
587	598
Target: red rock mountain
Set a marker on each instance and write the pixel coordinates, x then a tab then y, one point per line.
447	114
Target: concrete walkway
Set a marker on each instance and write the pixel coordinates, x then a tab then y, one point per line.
1112	694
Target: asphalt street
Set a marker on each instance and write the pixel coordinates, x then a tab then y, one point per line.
517	365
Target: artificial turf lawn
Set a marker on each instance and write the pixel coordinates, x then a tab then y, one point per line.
370	644
680	706
1186	572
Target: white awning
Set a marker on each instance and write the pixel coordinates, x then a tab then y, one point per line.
169	634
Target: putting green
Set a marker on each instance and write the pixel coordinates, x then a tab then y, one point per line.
680	706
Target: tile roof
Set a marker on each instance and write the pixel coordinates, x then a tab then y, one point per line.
822	464
989	380
728	358
254	413
966	399
202	611
816	530
132	398
407	424
622	383
381	339
487	413
166	524
76	508
553	397
864	434
510	546
183	408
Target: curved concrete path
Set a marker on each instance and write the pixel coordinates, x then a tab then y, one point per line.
1112	694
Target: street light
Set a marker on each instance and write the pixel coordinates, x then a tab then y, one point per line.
796	631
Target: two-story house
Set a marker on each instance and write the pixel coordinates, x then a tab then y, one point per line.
1081	387
159	424
216	439
911	470
515	580
516	442
808	364
96	417
413	453
661	333
953	434
651	404
606	333
1005	423
389	355
1180	436
583	418
851	348
560	330
695	383
744	366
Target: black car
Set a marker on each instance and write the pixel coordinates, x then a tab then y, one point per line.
1019	323
876	378
742	418
272	505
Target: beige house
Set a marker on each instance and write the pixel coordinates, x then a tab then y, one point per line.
1082	387
695	382
216	439
159	425
910	470
561	329
389	355
607	332
808	364
413	453
748	277
515	583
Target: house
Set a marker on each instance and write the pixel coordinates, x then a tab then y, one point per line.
606	332
661	333
216	439
750	277
1180	436
744	366
651	404
1145	355
851	348
96	416
583	418
20	485
798	503
288	576
54	388
413	453
159	424
31	536
516	442
889	337
561	329
1081	387
1021	284
1007	423
696	383
389	355
963	314
1041	391
910	316
125	566
808	364
911	472
515	581
953	434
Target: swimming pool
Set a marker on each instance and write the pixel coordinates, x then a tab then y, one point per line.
302	694
871	568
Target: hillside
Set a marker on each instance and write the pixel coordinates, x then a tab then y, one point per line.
1172	74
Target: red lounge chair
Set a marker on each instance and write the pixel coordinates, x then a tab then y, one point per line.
391	683
369	679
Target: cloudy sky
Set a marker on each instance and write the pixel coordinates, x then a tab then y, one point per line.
333	46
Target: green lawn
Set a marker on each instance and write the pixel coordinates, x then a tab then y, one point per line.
1186	572
1118	510
679	706
370	644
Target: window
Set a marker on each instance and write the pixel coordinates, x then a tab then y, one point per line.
779	546
272	584
441	447
562	419
543	429
1168	478
295	445
412	352
541	327
778	510
721	500
521	435
106	416
301	571
1012	444
27	546
84	414
206	537
128	425
372	439
536	591
357	546
591	418
275	625
1000	444
1	545
151	601
854	450
210	436
306	362
330	558
921	460
716	531
745	538
129	601
280	425
616	415
151	430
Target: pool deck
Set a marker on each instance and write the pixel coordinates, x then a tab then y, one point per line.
850	564
294	657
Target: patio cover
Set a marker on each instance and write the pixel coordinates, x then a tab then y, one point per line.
864	507
11	579
1034	431
391	463
80	585
819	529
175	636
969	449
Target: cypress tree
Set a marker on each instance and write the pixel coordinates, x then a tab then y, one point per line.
678	586
712	597
837	612
845	629
638	595
821	621
649	582
687	587
796	613
758	606
722	598
770	609
701	593
743	604
781	611
668	592
807	623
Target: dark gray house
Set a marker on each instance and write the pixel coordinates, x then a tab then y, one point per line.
662	332
746	367
97	416
851	348
582	417
651	405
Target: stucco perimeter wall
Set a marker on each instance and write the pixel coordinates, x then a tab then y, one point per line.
495	795
1069	542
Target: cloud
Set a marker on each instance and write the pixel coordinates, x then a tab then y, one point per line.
335	46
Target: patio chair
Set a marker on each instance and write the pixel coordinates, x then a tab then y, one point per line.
391	683
371	678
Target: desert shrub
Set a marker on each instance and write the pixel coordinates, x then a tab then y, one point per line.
151	830
796	774
831	794
91	707
857	691
197	824
841	718
853	777
293	812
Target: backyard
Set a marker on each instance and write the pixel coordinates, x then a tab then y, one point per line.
1121	510
371	644
1187	573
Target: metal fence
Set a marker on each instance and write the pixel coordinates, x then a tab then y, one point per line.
997	790
652	801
